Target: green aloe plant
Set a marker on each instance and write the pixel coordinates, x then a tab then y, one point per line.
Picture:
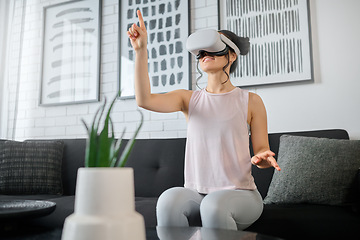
102	149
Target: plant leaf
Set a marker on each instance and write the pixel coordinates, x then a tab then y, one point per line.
118	146
100	116
129	146
86	126
91	145
102	149
105	142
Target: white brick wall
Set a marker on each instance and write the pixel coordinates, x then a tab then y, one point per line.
34	121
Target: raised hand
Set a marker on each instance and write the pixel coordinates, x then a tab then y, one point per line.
265	159
138	34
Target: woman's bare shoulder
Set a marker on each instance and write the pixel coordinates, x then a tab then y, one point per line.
254	99
184	93
255	105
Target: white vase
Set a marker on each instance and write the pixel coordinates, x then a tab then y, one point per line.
104	206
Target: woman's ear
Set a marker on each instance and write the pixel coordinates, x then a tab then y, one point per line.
233	57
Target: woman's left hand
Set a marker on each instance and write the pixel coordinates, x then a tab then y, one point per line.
265	159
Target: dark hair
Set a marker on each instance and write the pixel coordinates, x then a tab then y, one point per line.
242	43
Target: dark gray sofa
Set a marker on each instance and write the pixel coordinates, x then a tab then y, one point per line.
158	165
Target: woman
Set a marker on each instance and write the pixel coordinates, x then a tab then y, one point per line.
218	181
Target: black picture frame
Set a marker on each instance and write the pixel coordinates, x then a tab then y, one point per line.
280	40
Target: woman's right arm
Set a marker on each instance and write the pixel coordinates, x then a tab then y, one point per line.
173	101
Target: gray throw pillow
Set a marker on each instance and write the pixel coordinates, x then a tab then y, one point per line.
315	170
31	167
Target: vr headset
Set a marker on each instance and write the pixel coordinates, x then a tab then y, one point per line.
211	42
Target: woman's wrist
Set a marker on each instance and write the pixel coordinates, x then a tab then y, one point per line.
141	50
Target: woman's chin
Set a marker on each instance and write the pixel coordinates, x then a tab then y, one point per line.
210	69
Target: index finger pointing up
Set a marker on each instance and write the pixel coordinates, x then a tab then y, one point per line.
141	20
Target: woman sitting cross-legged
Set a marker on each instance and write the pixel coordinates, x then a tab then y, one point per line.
218	182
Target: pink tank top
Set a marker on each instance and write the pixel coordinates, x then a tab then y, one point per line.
217	148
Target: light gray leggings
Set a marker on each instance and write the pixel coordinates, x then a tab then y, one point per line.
225	209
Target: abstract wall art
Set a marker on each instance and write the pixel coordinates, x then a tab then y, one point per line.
71	53
280	37
167	23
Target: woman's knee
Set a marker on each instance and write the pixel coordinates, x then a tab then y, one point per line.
175	205
169	198
210	206
216	214
230	209
215	203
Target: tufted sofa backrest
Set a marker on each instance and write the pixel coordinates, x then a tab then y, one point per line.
159	163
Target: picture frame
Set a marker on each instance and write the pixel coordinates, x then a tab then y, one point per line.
280	40
71	53
169	63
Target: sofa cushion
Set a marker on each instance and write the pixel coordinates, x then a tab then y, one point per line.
315	170
146	206
31	167
263	176
64	208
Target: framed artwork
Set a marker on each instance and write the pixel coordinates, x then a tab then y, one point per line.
280	40
167	24
71	53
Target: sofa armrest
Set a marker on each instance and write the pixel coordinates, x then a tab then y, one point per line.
356	205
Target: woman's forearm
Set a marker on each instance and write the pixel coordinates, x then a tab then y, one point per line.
142	82
170	102
138	38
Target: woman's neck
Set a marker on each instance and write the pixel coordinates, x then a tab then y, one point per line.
219	87
216	85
